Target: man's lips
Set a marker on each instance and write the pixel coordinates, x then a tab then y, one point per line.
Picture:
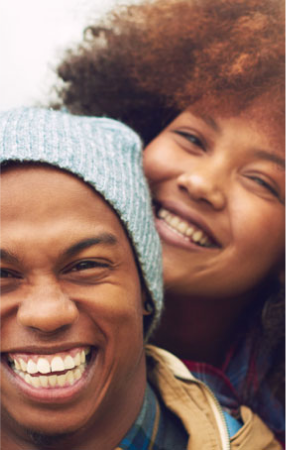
53	370
189	226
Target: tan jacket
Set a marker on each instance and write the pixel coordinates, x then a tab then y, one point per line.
194	403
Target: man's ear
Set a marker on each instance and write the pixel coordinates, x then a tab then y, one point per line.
147	305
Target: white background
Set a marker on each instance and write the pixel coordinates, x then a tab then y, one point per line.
33	37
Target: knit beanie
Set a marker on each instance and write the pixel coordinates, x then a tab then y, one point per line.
105	154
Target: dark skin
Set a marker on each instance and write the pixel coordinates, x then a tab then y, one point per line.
223	178
66	251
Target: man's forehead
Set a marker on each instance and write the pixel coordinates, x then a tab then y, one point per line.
37	195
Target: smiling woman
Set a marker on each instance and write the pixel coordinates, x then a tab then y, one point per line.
228	189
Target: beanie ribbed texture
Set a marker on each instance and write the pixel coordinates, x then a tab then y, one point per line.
105	154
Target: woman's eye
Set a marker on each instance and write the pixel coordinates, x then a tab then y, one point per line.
9	274
191	138
265	185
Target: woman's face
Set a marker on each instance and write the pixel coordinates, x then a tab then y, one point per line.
218	190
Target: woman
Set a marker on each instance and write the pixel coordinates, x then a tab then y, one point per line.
203	84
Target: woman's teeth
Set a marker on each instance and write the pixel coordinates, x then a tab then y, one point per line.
39	371
193	233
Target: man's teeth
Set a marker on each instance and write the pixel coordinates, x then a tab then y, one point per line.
44	366
184	228
52	381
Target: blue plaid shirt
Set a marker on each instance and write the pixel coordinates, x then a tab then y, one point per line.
156	428
241	369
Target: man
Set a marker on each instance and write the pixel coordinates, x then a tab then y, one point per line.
81	292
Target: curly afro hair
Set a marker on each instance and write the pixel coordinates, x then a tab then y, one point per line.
145	63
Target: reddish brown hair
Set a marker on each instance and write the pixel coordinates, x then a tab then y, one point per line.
146	63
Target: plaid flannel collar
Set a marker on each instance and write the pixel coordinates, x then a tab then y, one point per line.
154	428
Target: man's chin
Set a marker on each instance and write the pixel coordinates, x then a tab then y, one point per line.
46	440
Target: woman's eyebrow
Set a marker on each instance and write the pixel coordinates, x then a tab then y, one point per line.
103	238
207	119
8	256
211	122
270	156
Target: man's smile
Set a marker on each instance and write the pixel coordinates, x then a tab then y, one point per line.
50	371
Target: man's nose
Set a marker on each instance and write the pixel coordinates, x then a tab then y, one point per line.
47	308
205	185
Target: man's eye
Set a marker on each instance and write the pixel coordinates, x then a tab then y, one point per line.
86	265
191	138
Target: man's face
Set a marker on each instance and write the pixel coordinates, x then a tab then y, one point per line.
71	306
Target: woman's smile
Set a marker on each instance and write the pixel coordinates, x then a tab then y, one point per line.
187	231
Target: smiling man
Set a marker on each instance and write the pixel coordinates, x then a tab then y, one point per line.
69	277
73	294
81	292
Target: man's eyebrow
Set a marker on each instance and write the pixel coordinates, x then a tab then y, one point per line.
270	156
103	238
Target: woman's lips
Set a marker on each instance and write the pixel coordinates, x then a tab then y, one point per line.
183	230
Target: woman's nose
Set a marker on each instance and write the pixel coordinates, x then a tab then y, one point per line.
204	187
47	308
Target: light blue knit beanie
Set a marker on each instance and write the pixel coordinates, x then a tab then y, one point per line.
105	154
